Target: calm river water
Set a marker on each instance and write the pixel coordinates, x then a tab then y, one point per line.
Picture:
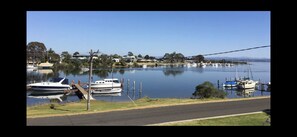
160	82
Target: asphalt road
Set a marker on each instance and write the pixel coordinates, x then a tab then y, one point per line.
156	115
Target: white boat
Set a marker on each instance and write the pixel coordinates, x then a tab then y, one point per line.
106	83
107	91
55	85
247	84
31	67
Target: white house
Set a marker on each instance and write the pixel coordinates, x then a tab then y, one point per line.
116	60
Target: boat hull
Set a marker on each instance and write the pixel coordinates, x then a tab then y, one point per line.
115	85
41	88
247	86
107	91
50	92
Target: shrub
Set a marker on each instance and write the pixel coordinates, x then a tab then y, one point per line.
208	90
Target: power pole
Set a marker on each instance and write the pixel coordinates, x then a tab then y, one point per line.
90	76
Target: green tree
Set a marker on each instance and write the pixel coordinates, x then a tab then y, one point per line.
36	51
139	56
207	90
166	56
66	57
180	57
75	53
105	61
130	53
174	57
52	56
198	58
123	62
116	56
146	57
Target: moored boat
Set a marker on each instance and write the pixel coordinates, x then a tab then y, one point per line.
230	83
55	85
106	83
247	84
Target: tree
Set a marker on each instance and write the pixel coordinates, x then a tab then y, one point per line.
174	57
199	58
116	56
52	56
75	53
146	57
166	56
180	57
139	56
36	51
50	51
105	61
123	62
207	90
130	53
66	57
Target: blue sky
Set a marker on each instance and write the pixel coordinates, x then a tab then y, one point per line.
152	32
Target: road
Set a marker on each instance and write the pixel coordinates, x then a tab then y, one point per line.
139	117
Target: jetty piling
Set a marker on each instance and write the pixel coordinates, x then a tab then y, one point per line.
218	83
133	89
140	90
128	85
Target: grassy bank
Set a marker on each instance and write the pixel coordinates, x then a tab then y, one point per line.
102	106
244	120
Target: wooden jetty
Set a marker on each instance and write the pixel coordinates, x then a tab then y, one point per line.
79	91
82	93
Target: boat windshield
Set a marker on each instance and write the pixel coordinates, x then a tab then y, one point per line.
116	81
58	80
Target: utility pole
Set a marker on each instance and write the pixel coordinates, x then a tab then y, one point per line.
90	76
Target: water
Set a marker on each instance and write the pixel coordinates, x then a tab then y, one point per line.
162	82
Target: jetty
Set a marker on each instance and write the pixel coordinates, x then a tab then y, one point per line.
79	91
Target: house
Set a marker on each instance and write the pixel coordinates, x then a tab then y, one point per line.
82	57
116	60
130	58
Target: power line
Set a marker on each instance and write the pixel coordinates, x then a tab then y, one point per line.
236	50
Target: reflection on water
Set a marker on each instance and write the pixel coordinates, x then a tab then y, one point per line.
245	92
102	73
53	97
172	72
107	95
239	93
40	75
45	71
37	97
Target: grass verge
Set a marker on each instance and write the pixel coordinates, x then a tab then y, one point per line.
243	120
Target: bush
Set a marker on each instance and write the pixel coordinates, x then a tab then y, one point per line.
208	90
